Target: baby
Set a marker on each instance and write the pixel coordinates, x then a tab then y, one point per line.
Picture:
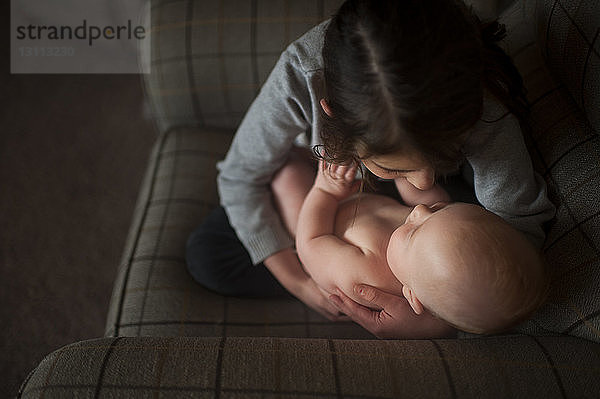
458	265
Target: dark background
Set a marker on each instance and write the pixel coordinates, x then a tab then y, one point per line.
73	150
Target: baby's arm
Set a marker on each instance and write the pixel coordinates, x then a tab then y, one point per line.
335	265
320	251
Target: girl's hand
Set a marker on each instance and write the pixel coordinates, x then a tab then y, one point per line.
337	180
317	299
395	319
382	323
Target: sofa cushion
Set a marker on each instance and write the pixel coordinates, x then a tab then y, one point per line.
497	367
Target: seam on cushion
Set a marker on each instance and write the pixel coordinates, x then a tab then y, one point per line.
548	24
546	94
446	368
575	227
567	152
334	365
551	364
103	367
581	321
24	384
225	308
219	367
160	365
51	371
147	201
585	67
573	23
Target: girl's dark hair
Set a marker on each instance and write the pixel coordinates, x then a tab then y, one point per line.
409	75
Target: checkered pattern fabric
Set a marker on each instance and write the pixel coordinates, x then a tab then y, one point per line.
154	295
208	61
210	58
563	77
498	367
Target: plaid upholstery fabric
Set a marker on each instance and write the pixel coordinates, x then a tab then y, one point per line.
496	367
210	58
227	357
154	295
569	36
565	149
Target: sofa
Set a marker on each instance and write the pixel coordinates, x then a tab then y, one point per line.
166	336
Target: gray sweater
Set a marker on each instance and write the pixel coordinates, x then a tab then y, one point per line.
286	113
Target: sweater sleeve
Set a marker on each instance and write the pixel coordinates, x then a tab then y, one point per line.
281	111
504	179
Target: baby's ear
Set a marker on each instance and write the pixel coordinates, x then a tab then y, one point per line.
412	299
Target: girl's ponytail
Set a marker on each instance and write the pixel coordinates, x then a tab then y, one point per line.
500	75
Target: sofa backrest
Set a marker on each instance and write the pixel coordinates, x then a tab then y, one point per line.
555	46
210	58
568	33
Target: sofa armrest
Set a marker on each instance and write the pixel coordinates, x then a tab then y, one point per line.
493	367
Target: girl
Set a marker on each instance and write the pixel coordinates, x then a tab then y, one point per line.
415	90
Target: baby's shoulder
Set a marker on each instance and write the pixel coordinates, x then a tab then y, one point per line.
369	207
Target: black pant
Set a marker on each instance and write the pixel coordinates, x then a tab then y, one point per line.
217	260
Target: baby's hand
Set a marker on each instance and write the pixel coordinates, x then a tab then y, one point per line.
337	180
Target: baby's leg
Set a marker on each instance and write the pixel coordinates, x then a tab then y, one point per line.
291	184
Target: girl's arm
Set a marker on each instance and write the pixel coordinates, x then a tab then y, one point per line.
282	112
503	176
